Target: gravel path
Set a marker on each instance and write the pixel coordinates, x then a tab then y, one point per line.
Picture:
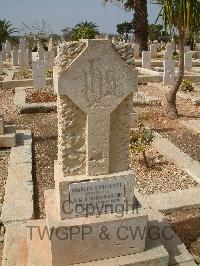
44	129
154	117
186	224
161	177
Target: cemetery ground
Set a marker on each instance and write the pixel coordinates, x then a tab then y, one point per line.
162	176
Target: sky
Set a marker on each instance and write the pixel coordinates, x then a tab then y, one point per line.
59	14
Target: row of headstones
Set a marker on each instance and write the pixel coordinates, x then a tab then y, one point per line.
169	63
23	59
153	49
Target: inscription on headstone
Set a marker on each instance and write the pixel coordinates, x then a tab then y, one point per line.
96	196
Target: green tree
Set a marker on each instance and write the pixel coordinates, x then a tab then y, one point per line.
140	19
84	30
6	31
125	28
183	15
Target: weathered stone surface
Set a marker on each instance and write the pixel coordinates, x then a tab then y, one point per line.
93	89
152	256
15	251
94	247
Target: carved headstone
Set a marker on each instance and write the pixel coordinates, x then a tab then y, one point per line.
95	86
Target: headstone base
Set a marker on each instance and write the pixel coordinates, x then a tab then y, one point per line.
39	253
94	237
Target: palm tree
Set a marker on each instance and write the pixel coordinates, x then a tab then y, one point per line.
140	21
183	15
6	30
84	30
87	24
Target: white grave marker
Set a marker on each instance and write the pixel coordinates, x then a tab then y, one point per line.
188	61
15	58
169	73
146	59
39	74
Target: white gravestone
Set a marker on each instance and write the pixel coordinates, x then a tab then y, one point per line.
39	74
146	59
169	73
35	56
15	58
173	43
169	52
22	45
8	49
186	49
41	53
153	50
49	60
136	49
188	61
4	51
23	60
1	62
54	51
